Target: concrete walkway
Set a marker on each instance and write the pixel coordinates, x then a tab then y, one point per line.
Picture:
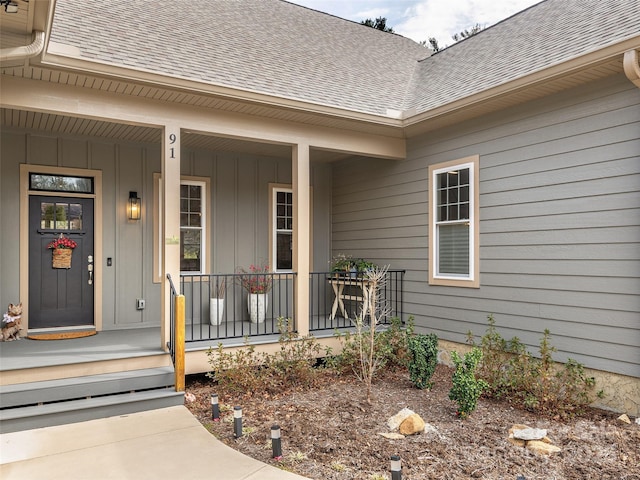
166	443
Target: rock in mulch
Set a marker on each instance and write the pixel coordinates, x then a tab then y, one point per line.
533	439
624	418
394	422
412	425
529	433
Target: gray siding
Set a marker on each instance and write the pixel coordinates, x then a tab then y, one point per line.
559	224
238	206
124	167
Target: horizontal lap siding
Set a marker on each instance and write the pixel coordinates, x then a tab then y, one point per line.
559	224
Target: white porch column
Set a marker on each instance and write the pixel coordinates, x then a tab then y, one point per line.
170	213
301	233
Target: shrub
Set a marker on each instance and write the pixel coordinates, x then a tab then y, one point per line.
293	364
423	359
236	371
538	384
390	347
395	341
245	370
466	388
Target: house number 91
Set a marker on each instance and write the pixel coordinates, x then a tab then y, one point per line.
172	140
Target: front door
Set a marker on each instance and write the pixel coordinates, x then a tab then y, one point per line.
60	296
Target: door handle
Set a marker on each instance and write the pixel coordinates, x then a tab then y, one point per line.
90	269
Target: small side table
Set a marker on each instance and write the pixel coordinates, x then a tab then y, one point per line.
364	295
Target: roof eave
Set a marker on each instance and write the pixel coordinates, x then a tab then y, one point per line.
68	62
558	70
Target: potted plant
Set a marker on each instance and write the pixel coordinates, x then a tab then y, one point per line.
347	265
62	249
216	307
342	265
257	282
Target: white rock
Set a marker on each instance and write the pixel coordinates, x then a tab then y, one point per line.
638	421
530	434
394	422
392	435
428	428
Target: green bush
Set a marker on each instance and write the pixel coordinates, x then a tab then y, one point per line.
535	383
423	359
466	387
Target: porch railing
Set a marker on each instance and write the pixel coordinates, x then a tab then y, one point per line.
336	299
172	322
220	307
334	302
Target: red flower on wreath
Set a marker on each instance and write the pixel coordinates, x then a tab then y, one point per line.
62	242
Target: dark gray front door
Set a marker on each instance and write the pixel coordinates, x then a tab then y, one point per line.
60	297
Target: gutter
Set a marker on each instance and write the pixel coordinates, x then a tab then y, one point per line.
22	53
632	66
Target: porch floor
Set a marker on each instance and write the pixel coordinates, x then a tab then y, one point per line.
104	346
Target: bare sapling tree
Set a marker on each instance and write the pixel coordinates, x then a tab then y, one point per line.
371	359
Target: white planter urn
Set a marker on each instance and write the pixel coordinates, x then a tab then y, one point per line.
216	311
257	304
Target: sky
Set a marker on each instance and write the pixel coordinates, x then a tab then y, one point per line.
421	19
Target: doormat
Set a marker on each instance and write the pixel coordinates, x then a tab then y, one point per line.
61	335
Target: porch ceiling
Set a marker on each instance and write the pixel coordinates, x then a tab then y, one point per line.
79	127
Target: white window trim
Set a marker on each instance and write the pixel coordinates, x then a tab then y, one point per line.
203	223
157	217
273	187
273	230
473	279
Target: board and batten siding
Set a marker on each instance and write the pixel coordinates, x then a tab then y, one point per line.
559	224
238	205
125	167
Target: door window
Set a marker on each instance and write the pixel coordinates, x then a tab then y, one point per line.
60	216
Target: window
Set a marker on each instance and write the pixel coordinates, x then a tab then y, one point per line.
195	233
60	183
60	216
192	226
453	223
282	241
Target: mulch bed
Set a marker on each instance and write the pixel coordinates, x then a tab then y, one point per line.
330	432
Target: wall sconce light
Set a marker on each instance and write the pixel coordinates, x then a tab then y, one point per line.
133	206
9	6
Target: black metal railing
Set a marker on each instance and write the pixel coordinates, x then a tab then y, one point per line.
336	299
221	306
172	322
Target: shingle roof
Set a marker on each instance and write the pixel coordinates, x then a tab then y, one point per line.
550	32
267	46
281	49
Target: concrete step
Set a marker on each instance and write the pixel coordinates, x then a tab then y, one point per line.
72	411
48	391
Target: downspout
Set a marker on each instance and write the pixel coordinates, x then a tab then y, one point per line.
632	66
27	51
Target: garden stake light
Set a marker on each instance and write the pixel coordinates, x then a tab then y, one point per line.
237	421
396	468
276	442
215	408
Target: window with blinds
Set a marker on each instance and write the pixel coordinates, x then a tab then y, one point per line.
453	223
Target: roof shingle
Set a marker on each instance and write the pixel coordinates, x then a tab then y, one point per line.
277	48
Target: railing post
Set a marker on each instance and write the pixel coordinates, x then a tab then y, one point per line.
179	347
